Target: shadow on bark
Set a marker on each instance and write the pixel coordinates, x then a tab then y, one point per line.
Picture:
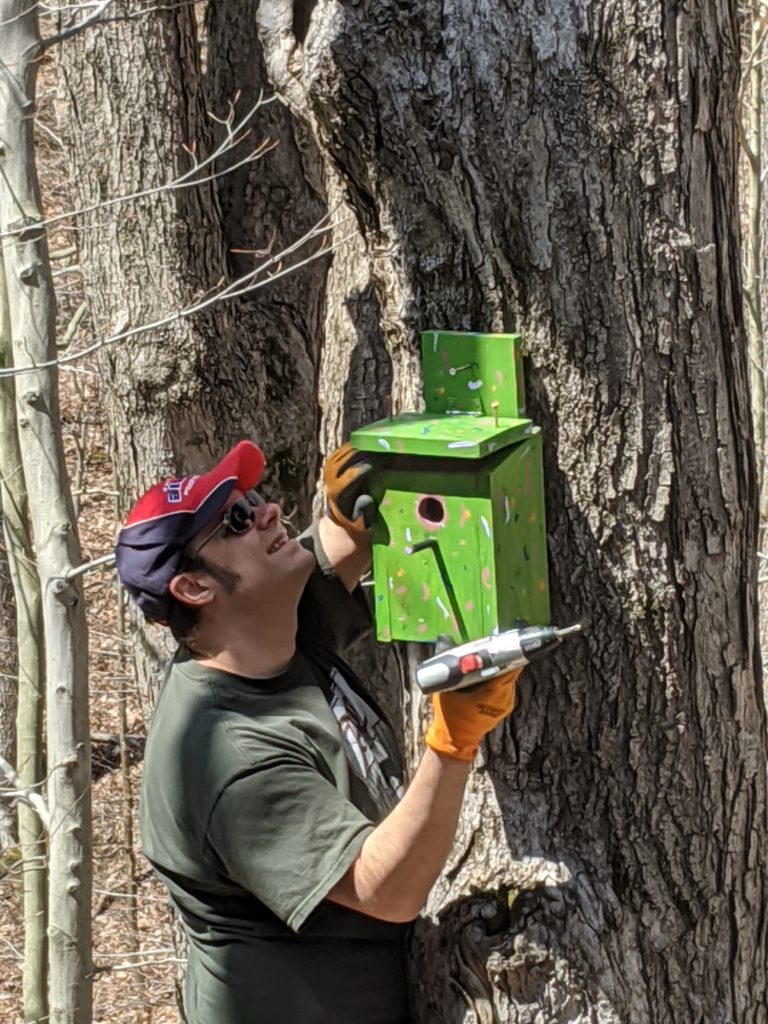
368	387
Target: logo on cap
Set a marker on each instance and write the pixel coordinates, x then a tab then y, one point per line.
173	491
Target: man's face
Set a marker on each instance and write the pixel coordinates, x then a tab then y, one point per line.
264	564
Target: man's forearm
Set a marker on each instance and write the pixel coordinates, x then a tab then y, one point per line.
401	859
348	555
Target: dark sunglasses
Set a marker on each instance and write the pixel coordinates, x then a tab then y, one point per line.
236	520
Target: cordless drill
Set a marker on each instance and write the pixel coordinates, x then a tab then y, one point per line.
480	660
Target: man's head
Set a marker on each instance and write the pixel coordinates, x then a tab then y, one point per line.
209	548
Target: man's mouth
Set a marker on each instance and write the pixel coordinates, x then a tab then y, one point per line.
278	543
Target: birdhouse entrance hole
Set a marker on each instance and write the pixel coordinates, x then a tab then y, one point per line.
431	510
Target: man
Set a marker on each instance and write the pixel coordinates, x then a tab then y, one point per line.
272	806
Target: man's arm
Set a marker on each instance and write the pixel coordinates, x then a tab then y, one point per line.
348	554
400	860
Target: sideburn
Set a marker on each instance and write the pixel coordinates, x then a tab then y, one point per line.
184	619
227	579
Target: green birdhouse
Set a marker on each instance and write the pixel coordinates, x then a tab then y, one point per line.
459	544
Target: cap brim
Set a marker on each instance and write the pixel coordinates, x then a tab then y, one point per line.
245	463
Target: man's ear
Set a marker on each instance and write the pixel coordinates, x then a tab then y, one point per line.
191	590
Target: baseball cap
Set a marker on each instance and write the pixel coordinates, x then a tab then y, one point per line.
162	522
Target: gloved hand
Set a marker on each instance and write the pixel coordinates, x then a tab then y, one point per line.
345	474
461	718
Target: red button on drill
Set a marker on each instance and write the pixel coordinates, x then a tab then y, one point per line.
470	663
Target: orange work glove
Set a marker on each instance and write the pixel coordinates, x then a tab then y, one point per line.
345	475
462	717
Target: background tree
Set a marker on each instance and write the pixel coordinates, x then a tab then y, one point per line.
568	172
29	318
23	667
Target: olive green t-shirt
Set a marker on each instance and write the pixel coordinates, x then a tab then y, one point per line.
250	815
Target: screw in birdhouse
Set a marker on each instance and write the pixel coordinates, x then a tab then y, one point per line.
421	545
457	369
495	407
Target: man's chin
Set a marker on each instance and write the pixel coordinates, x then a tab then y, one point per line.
293	558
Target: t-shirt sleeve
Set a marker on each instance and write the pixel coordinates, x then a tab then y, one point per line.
287	835
329	615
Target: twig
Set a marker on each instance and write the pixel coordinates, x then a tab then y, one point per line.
74	29
72	326
265	146
25	793
241	286
62	254
105	561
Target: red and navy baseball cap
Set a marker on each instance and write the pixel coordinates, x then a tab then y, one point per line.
149	547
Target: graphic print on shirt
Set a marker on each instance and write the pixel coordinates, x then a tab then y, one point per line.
369	753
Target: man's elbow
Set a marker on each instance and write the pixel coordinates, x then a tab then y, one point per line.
394	914
380	902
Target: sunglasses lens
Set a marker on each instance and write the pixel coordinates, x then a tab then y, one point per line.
240	516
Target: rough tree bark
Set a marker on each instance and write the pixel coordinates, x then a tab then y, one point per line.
752	118
182	394
335	309
569	171
31	305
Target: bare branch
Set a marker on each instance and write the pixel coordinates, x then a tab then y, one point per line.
244	285
74	323
67	33
104	562
186	180
62	254
25	793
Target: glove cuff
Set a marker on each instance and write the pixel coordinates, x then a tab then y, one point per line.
437	739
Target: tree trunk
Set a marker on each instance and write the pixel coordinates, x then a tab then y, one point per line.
752	115
570	172
26	633
31	304
8	655
8	677
8	686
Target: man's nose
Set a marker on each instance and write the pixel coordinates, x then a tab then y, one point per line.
265	515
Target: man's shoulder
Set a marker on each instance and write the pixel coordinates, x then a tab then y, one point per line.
235	723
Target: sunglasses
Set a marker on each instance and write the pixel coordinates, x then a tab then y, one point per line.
236	520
